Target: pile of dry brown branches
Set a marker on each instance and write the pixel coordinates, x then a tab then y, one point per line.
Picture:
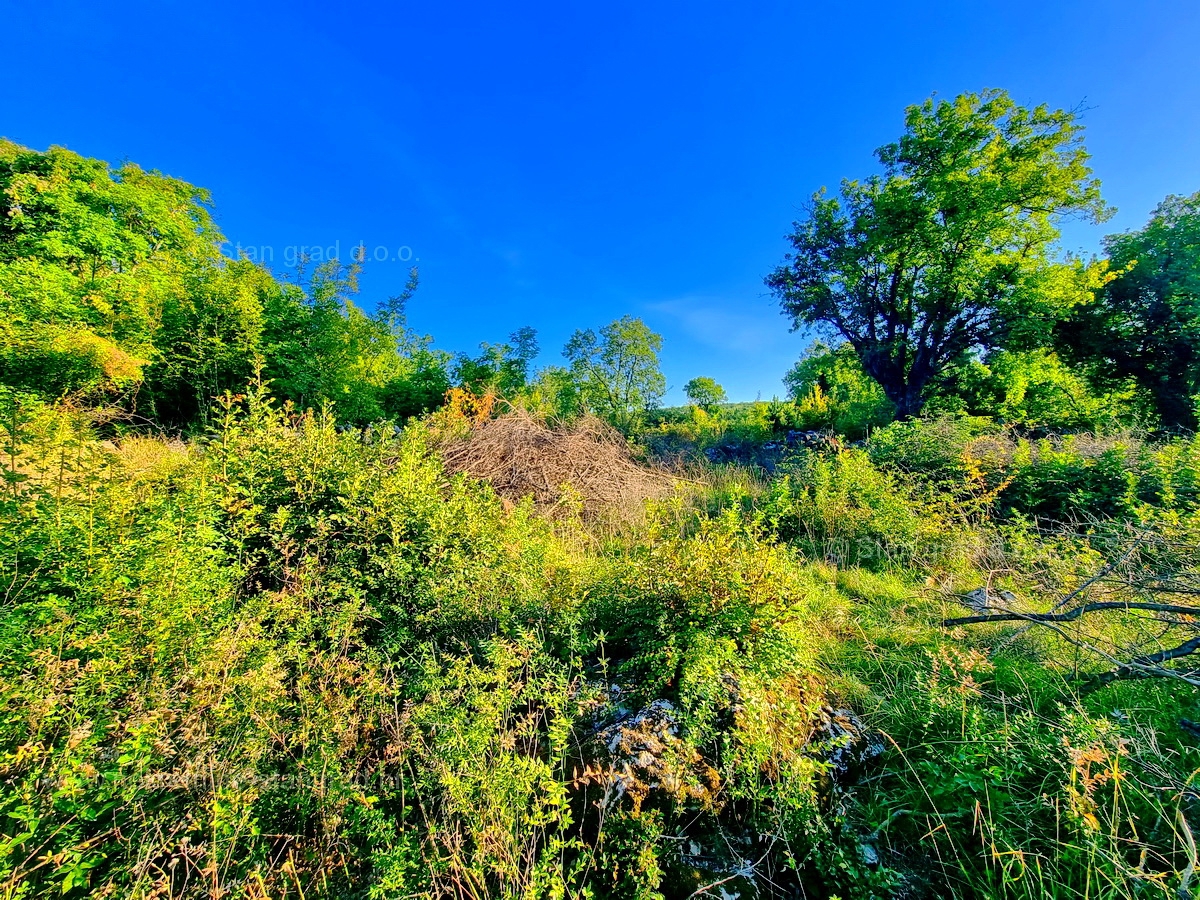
520	456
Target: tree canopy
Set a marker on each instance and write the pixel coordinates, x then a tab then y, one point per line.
618	370
114	290
948	251
1145	325
91	260
501	368
705	393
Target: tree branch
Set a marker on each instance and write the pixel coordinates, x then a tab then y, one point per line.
1147	667
1073	613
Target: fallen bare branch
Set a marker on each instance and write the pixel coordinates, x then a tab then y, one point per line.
1075	613
1148	667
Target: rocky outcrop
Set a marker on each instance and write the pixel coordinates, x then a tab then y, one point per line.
641	759
642	753
983	599
842	741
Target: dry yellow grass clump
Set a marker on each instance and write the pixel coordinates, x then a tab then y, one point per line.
519	456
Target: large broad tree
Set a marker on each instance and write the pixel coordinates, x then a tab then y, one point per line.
617	370
705	393
1145	325
949	250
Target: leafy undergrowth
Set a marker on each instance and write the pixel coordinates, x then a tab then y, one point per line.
286	661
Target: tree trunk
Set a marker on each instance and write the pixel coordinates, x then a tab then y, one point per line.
906	394
909	401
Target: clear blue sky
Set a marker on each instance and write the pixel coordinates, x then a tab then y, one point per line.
562	164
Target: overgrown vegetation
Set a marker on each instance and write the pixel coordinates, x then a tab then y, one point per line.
297	606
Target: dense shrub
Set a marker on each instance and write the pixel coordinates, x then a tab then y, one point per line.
297	659
831	391
842	508
1037	389
933	450
1076	478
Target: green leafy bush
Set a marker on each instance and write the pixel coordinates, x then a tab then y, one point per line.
831	392
1037	389
1071	479
307	660
842	508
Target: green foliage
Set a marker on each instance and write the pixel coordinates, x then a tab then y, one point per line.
999	780
292	659
833	393
685	429
209	339
113	290
705	393
555	395
1037	389
949	249
954	457
503	773
250	615
841	508
319	346
1031	799
296	635
502	369
1145	324
617	371
88	257
310	662
1081	479
1072	480
682	598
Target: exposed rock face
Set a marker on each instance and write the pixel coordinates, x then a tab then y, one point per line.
642	752
641	756
983	599
842	740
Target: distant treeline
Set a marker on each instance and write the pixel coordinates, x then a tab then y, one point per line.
927	297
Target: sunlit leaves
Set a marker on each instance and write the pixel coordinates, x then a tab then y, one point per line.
950	247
